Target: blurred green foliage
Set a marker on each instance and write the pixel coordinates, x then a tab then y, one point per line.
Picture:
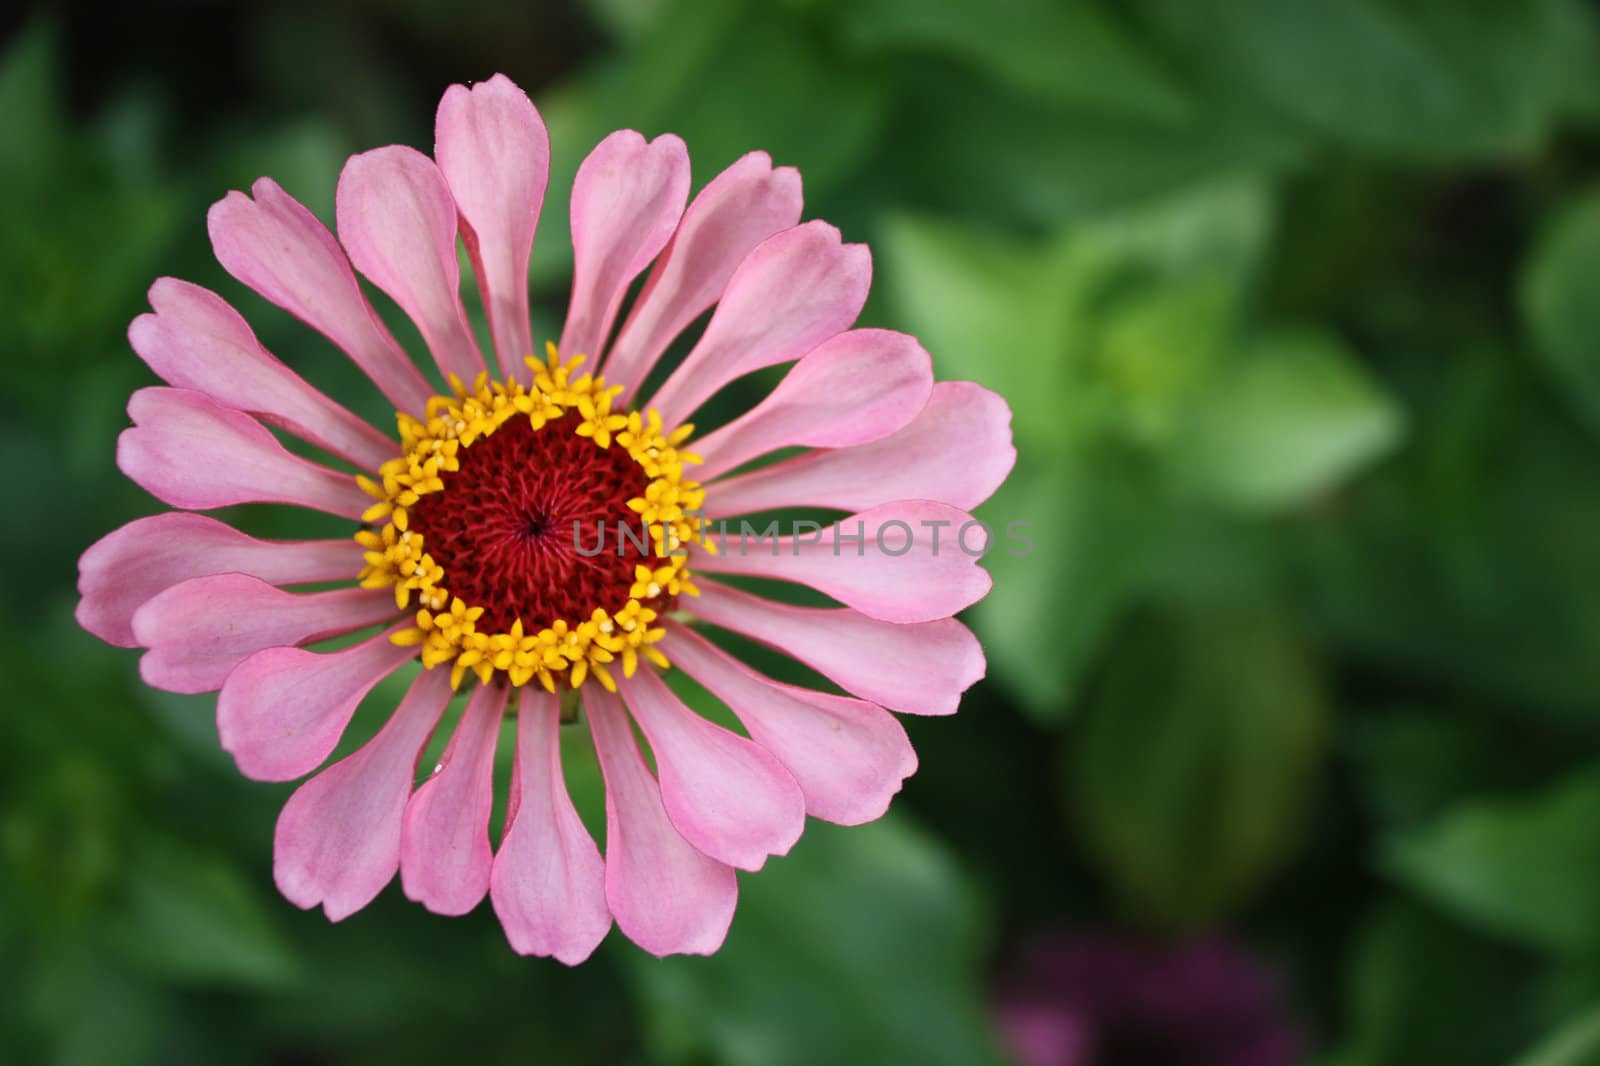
1297	306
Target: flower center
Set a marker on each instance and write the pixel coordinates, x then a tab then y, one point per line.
542	533
508	528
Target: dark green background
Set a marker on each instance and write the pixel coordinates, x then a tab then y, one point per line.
1297	305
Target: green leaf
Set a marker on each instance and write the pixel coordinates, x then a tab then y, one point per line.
1412	79
1526	868
777	89
1218	227
628	20
1295	417
30	92
862	945
1194	760
1560	294
990	309
1152	356
1093	524
1413	765
1421	990
1101	340
1009	158
1575	1044
1469	560
67	285
132	1016
1122	316
193	917
1068	53
1581	34
1154	302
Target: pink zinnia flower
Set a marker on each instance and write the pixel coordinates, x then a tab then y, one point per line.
474	553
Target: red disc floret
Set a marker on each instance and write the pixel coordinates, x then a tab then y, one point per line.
508	526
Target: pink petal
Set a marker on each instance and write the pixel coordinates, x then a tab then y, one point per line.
398	223
626	201
857	386
794	291
666	896
849	756
492	146
282	711
196	341
957	450
917	669
444	841
338	837
189	451
275	245
737	210
933	577
126	567
548	883
199	630
728	797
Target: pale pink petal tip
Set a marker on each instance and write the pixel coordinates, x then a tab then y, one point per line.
796	289
547	883
494	151
856	387
729	797
445	853
189	451
275	245
849	756
957	450
128	566
199	630
737	210
626	202
398	222
666	896
195	340
908	561
338	838
282	711
921	668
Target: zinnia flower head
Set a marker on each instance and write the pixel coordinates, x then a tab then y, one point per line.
477	523
1097	1000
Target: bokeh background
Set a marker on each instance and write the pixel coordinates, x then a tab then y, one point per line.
1297	305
